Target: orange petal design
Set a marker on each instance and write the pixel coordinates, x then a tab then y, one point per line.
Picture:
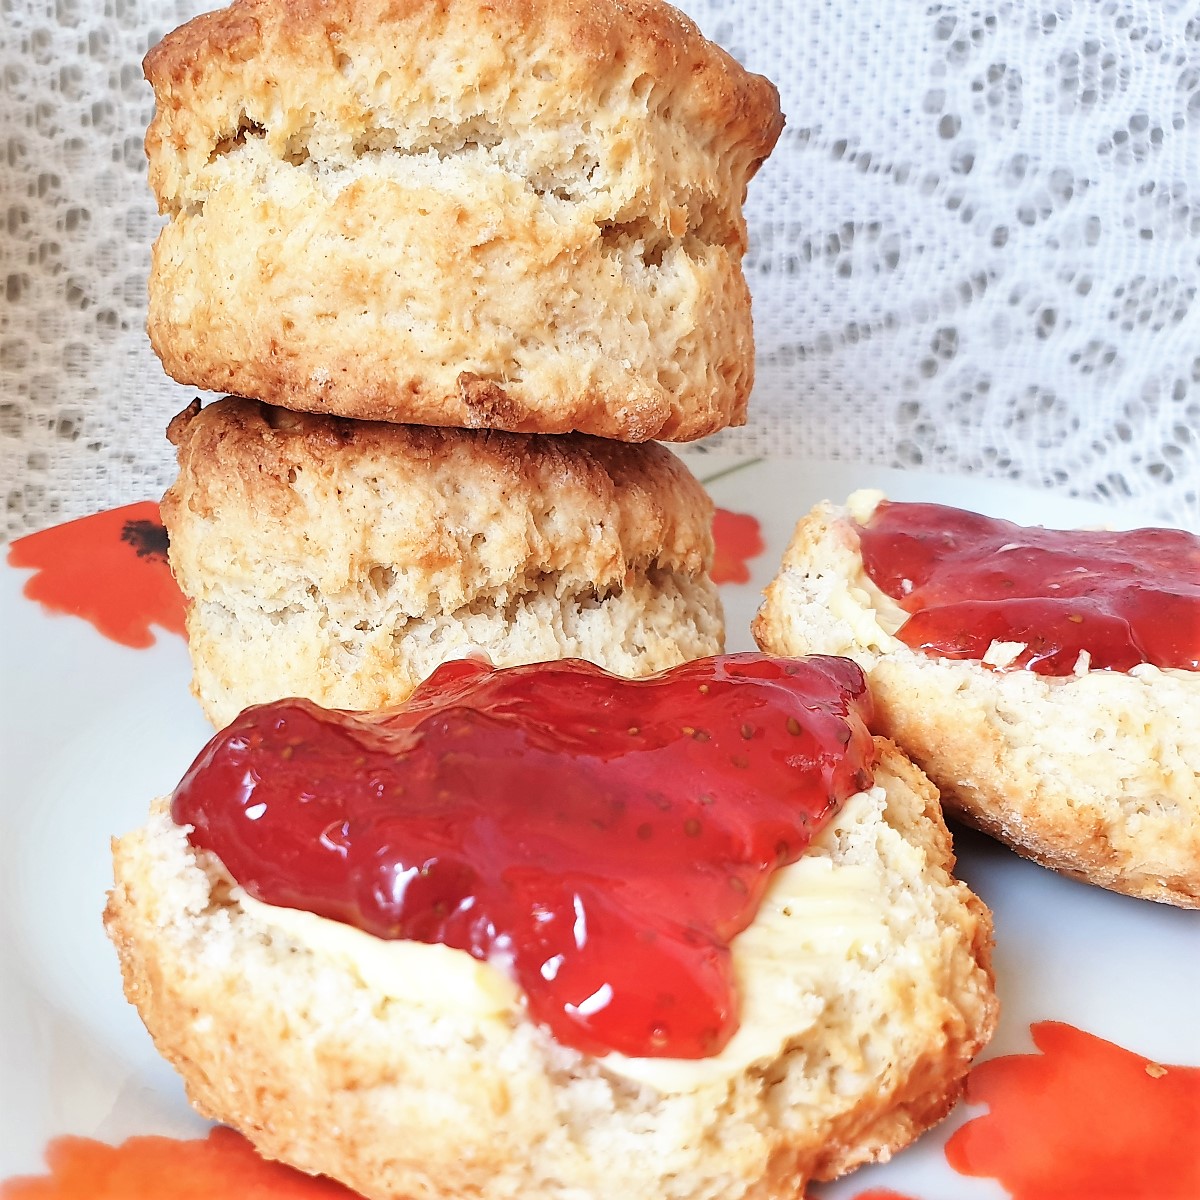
738	539
110	569
1083	1120
221	1165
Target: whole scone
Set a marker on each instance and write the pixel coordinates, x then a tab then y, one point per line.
408	1070
521	214
1095	774
343	560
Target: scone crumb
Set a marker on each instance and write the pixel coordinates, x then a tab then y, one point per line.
1002	654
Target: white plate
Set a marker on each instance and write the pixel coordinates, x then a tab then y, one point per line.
90	731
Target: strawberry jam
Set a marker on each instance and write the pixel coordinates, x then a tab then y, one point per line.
969	580
600	839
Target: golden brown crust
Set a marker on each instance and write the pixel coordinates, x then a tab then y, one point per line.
533	222
343	560
612	505
587	47
396	1099
1095	775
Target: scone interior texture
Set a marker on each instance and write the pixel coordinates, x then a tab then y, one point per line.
520	215
1095	774
416	1097
344	560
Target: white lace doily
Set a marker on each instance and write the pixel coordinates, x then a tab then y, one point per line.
976	249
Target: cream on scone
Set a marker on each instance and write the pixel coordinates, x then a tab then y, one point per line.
343	560
523	215
406	1069
1095	773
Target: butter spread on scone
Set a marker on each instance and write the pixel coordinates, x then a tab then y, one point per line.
864	982
1092	771
814	918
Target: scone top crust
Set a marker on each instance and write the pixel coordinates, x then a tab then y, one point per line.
460	513
622	106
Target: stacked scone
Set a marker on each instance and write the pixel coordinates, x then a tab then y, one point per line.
466	257
519	218
343	560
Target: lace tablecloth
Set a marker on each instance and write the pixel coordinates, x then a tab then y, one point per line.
976	249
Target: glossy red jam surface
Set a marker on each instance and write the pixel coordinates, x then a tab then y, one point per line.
601	839
1125	598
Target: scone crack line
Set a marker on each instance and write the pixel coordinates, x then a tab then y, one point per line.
303	145
369	608
690	221
228	142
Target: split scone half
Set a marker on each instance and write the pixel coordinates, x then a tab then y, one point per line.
522	216
1095	774
410	1070
343	560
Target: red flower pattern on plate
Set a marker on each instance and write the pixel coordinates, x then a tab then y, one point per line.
110	569
738	539
223	1164
1082	1120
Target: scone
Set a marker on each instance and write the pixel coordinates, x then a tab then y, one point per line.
343	560
514	215
408	1069
1095	773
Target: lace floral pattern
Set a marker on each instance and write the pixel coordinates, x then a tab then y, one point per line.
976	248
